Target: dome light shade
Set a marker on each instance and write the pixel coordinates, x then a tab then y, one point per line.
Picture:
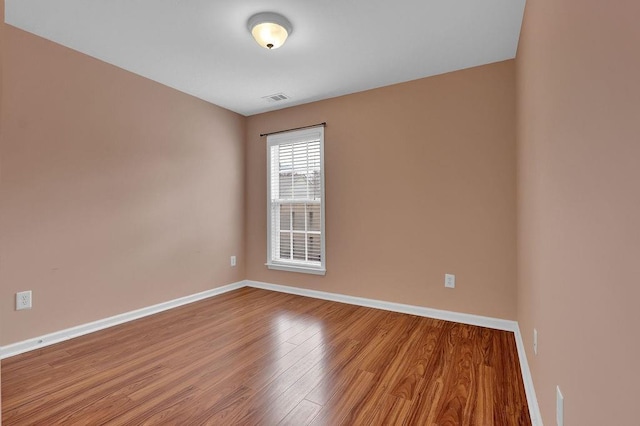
269	29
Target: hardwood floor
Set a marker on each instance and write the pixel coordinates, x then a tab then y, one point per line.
254	357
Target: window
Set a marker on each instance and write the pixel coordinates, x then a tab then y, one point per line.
295	211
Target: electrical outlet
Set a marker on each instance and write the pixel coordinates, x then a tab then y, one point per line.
233	261
449	281
559	407
23	300
535	341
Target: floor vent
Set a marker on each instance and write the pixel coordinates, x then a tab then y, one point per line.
276	98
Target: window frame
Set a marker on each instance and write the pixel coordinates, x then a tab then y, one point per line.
293	265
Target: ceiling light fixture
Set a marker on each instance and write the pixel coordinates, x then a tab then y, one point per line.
269	29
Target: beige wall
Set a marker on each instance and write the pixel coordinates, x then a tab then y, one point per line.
579	206
420	181
118	192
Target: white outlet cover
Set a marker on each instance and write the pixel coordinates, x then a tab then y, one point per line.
23	300
535	341
559	407
449	281
233	261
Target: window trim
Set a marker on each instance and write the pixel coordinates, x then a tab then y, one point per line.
294	265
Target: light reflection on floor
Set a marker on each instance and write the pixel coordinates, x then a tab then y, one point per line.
299	342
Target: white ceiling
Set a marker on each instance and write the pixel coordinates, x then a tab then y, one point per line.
203	47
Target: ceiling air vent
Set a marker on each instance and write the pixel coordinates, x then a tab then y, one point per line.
276	98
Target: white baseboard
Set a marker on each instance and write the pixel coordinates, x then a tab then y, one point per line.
495	323
80	330
532	400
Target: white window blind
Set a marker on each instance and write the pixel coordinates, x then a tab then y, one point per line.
295	239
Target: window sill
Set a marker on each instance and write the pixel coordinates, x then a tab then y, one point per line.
294	268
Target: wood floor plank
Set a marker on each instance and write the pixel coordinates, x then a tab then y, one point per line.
390	365
302	415
279	400
417	361
255	357
104	410
75	395
342	405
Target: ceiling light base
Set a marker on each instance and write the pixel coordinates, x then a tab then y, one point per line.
269	29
